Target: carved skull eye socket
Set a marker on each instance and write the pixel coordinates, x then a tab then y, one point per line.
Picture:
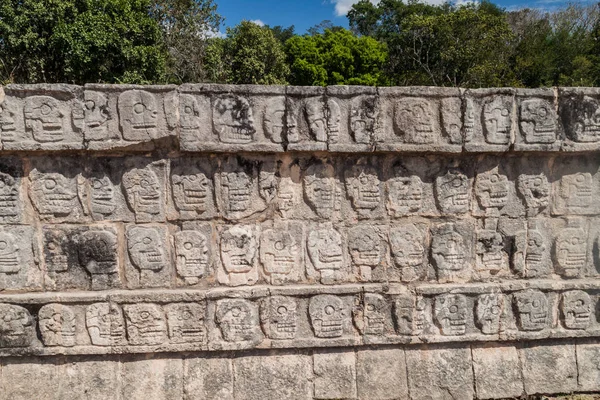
192	178
542	112
2	183
96	184
537	182
188	245
279	245
235	311
105	318
282	310
46	109
495	310
494	178
505	112
456	183
138	108
370	307
144	315
3	245
90	105
188	110
579	303
450	243
535	303
147	240
453	309
50	183
532	242
329	310
580	178
52	246
575	241
144	183
187	315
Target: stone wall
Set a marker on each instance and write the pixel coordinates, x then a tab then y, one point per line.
211	241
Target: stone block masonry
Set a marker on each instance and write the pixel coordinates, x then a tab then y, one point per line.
234	242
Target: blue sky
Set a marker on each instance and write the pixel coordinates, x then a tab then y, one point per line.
306	13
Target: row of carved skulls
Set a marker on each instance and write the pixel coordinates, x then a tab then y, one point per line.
416	119
240	320
243	193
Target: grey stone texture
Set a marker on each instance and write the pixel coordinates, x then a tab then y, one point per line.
220	241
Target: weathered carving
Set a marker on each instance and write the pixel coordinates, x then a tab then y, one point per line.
281	253
278	317
145	324
538	121
531	310
238	255
189	114
145	249
365	247
142	190
186	322
8	121
490	250
410	314
314	112
191	250
469	126
363	119
9	197
451	113
329	316
57	325
497	113
98	255
405	193
44	119
138	115
53	194
105	324
274	121
55	251
570	249
334	116
96	113
414	120
576	191
238	320
535	250
450	314
584	126
320	189
453	192
408	252
491	189
576	309
17	326
325	252
10	261
449	250
488	312
371	314
535	189
363	188
192	190
238	187
102	195
233	120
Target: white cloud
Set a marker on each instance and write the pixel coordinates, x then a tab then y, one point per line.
258	22
215	34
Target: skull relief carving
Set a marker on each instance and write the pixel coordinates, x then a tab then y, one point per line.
189	113
491	189
238	320
576	309
145	249
237	191
192	190
571	250
9	196
102	195
53	193
576	190
57	325
278	316
138	112
233	121
586	127
238	249
414	119
186	322
410	315
538	121
363	187
320	189
142	190
497	120
191	250
405	193
453	192
491	256
449	249
44	119
8	120
334	114
535	189
145	324
531	309
408	252
280	251
488	312
105	324
95	115
371	314
10	261
328	316
314	112
17	327
98	255
450	312
364	244
363	118
274	122
325	251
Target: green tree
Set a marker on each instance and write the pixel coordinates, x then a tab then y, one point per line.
80	41
283	34
444	45
336	57
252	54
187	26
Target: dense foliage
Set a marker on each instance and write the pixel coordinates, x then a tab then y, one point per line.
392	42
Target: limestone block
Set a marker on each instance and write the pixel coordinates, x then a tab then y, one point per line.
30	378
234	324
579	110
41	117
14	207
496	371
89	378
273	377
439	373
588	366
19	259
421	119
335	375
114	117
307	123
208	377
575	183
232	118
148	262
354	118
549	368
152	378
490	119
381	374
539	127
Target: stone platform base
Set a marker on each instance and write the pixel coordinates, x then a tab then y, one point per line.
477	371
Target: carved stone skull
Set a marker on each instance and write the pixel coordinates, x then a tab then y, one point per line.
191	250
238	249
531	309
450	312
53	193
576	309
278	316
314	112
320	189
491	189
105	324
538	121
191	190
488	312
571	250
186	322
237	191
408	253
328	315
497	119
96	113
453	192
17	328
57	325
576	190
146	249
371	314
414	120
363	117
238	320
8	120
142	189
448	248
325	249
189	112
145	324
98	255
102	195
363	187
9	196
10	261
138	112
405	193
279	251
233	120
587	124
535	189
44	119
